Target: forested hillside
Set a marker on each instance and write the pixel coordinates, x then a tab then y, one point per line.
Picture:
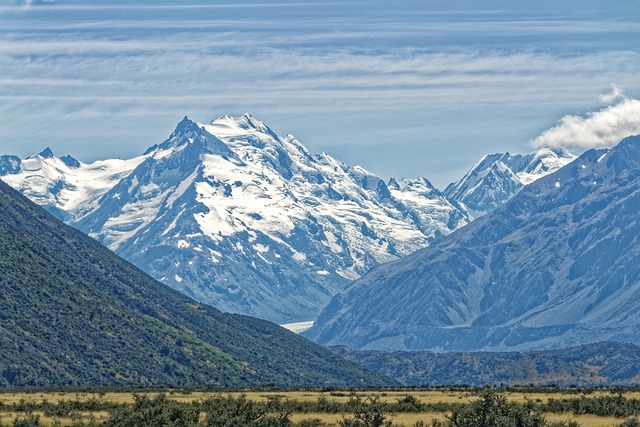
604	363
73	313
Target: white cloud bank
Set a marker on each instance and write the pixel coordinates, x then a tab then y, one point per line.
602	128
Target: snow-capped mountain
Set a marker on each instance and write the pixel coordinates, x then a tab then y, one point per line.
238	217
555	266
64	186
498	177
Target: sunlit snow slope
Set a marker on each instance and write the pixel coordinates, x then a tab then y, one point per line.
236	216
66	187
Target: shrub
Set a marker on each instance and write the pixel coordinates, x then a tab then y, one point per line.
366	414
157	412
28	421
493	410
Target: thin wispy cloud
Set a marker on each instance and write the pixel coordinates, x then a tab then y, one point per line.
26	3
615	94
404	74
146	72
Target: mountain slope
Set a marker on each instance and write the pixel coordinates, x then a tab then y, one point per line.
236	216
606	363
73	313
553	267
498	177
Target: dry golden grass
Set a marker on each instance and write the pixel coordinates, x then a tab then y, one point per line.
424	396
407	419
261	396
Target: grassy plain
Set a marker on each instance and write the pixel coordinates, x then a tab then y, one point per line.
405	418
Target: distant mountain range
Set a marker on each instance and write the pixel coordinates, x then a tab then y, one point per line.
555	266
74	313
236	216
233	215
605	363
498	177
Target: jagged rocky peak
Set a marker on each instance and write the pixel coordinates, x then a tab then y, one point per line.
70	161
187	131
46	153
193	135
48	156
185	126
498	177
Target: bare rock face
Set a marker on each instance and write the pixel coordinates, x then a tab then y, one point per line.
555	266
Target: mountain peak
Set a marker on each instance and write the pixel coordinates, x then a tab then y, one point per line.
70	161
188	132
394	184
558	151
421	180
239	217
46	153
247	123
497	177
419	183
624	156
184	126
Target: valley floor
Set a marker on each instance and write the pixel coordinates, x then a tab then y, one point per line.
408	407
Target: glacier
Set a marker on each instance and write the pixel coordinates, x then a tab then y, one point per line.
236	216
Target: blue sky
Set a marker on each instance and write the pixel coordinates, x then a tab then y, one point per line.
403	88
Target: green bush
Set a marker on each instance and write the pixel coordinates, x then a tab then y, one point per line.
493	410
157	412
366	414
28	421
631	422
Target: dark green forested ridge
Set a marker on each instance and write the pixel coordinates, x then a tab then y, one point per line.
73	313
604	363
